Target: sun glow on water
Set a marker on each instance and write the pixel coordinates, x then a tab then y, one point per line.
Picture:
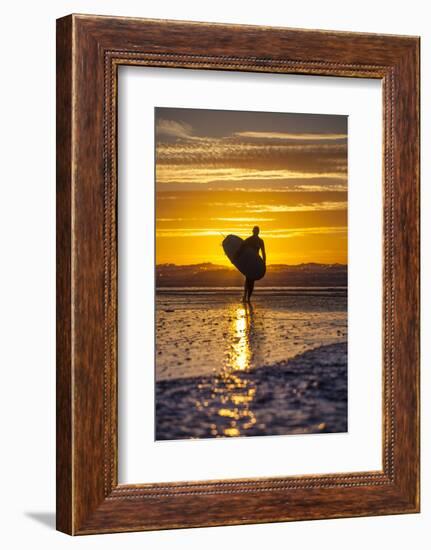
235	391
240	358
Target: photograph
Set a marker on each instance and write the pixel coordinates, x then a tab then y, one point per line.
251	273
237	275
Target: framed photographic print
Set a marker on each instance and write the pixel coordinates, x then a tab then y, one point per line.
229	360
237	274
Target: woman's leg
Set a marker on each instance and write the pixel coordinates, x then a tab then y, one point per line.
250	288
244	298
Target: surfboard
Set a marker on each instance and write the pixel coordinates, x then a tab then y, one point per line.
249	263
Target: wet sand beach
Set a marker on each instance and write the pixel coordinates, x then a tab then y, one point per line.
227	369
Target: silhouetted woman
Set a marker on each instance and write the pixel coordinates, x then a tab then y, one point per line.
255	242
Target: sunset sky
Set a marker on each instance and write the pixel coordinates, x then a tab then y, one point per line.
221	172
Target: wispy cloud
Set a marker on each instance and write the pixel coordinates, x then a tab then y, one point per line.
291	136
305	231
280	208
227	151
173	128
238	219
184	155
309	188
279	186
311	207
284	233
179	174
175	219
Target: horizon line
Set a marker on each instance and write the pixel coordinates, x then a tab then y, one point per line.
233	267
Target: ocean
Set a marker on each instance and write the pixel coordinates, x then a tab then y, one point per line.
228	369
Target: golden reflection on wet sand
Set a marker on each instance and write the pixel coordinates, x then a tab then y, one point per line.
235	392
225	370
240	356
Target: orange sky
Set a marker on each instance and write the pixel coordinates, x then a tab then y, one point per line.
221	172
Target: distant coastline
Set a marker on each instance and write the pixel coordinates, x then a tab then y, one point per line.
277	275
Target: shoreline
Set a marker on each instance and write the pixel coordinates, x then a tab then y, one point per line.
296	362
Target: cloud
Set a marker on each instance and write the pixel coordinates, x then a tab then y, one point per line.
305	231
174	219
197	161
290	136
280	208
182	157
291	185
308	188
231	152
249	220
312	207
173	128
203	175
286	233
